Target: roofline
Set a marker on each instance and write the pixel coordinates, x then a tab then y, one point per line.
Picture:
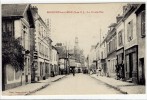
26	9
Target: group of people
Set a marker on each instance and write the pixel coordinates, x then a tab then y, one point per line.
99	72
120	71
118	68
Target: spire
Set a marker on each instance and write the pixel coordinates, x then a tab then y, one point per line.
76	40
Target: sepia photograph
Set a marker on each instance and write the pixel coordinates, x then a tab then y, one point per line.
73	49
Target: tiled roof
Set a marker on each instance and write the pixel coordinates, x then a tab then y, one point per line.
13	9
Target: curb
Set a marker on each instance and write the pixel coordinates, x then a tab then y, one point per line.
116	88
42	87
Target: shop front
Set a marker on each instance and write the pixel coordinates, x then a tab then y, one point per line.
131	64
120	70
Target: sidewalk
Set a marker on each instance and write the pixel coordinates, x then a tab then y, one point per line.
124	87
32	87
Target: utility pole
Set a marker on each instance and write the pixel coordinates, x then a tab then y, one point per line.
100	35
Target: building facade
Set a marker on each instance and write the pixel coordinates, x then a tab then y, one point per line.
111	50
120	68
63	58
103	56
42	53
131	45
92	59
17	23
55	61
140	14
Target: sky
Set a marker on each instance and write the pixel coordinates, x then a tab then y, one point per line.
89	25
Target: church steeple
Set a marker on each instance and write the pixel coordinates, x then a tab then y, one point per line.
76	41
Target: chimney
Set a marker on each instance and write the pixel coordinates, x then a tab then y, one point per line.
118	18
34	8
124	9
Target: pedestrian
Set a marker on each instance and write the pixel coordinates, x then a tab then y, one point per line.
117	67
97	72
73	72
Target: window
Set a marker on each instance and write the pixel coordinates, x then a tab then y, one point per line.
130	31
120	38
39	29
143	23
44	33
40	47
109	46
102	55
7	28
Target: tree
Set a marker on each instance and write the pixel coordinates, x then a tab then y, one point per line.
12	53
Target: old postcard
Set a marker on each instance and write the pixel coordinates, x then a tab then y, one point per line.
73	49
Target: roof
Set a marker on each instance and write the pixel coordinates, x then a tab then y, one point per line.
13	9
62	52
111	34
112	25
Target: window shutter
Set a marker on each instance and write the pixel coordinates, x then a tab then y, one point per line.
143	23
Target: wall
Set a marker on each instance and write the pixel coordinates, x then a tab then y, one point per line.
134	40
141	51
61	62
13	78
111	62
118	29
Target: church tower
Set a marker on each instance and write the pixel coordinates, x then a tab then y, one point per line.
76	49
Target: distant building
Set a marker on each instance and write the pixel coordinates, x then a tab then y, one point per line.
111	41
97	53
92	59
120	33
63	58
55	61
103	56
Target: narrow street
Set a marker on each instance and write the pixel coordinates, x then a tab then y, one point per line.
73	48
80	84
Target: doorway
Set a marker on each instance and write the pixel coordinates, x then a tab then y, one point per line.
142	80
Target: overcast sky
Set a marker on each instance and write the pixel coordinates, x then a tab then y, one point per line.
86	26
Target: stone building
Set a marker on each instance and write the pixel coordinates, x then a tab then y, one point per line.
140	14
63	58
103	56
43	47
111	50
120	47
55	61
131	45
17	23
92	59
